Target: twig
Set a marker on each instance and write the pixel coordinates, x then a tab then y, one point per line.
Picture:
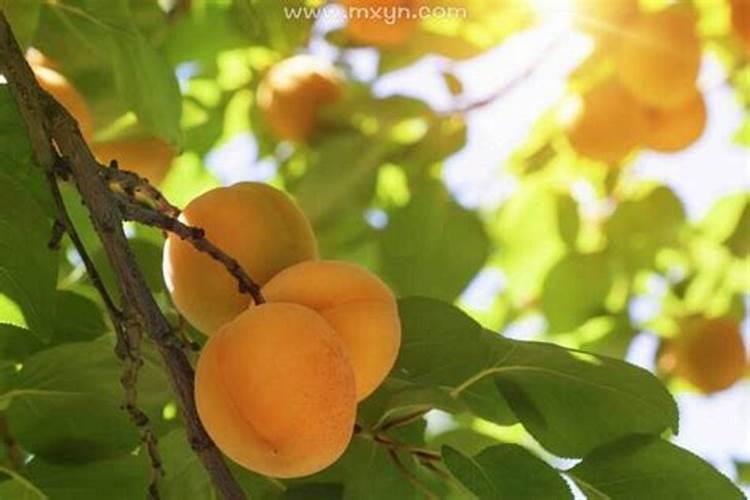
134	185
47	121
12	450
197	237
401	421
393	454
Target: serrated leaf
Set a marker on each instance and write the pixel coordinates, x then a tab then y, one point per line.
432	247
28	268
506	471
570	401
639	467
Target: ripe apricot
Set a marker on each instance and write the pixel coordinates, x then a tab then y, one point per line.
708	353
359	306
608	125
149	157
382	23
275	391
260	226
292	93
59	88
741	21
658	62
674	129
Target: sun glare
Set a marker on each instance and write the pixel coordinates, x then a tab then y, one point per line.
557	11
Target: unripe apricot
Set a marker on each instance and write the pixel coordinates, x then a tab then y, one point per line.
259	226
59	88
359	306
741	21
149	157
608	125
708	353
275	391
674	129
382	23
292	93
658	62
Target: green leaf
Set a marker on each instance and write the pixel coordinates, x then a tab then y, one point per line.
65	402
506	471
28	268
570	401
575	290
123	478
639	467
19	488
147	84
16	159
185	476
433	247
641	226
23	18
728	222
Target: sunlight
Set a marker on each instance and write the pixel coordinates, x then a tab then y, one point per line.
555	11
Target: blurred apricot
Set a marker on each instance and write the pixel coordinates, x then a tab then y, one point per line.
707	353
61	89
741	21
608	125
660	58
275	391
382	23
359	306
675	129
258	225
149	157
292	93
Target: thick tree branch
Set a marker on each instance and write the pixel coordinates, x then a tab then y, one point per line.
49	123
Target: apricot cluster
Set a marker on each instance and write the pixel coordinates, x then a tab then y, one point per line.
650	99
709	353
277	384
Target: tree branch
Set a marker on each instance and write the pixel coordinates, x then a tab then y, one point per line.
47	121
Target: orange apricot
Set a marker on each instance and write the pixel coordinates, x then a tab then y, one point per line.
258	225
148	157
741	21
674	129
604	17
707	353
275	391
359	306
609	124
382	23
292	93
61	89
658	62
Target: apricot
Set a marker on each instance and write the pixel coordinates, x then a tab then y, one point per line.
275	391
61	89
671	130
359	306
149	157
741	21
292	93
382	23
658	62
609	124
256	224
707	353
